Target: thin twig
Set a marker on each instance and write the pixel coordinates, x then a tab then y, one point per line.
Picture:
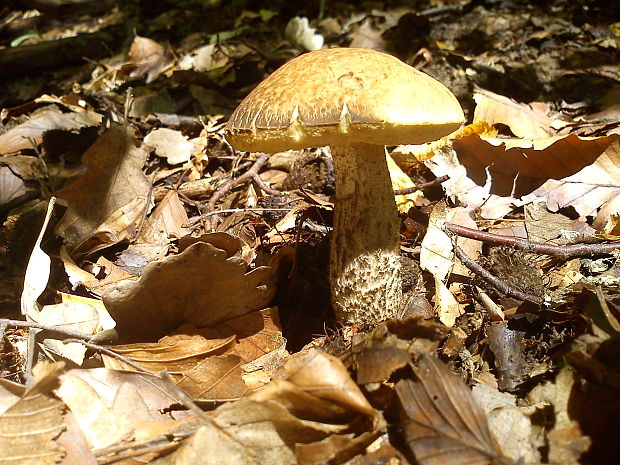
251	173
110	353
494	281
53	330
426	185
566	251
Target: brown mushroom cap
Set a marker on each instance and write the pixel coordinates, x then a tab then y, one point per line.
343	95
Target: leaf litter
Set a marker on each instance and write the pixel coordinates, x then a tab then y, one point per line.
181	289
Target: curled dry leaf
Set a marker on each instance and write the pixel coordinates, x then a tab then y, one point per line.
169	144
12	188
199	286
194	363
325	376
147	58
166	221
323	394
29	427
302	404
23	136
111	405
258	343
247	432
443	424
37	271
107	203
400	180
562	171
76	316
523	120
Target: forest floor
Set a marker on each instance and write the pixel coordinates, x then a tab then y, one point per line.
165	298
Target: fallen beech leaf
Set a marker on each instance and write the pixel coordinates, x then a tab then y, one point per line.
523	120
400	180
166	221
10	392
193	362
301	403
509	424
23	136
336	448
257	334
12	187
436	253
111	405
442	423
73	441
147	58
37	271
447	307
325	376
387	348
214	378
172	354
75	316
29	427
247	432
107	203
377	361
200	286
562	171
169	144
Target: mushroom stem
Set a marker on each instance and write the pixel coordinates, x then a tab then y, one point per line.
365	247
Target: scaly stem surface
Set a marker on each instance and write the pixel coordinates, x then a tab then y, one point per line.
365	247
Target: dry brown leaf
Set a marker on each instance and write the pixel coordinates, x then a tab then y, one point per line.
24	135
214	378
29	427
523	120
377	361
112	405
357	431
302	404
448	309
257	334
436	254
562	171
167	220
200	286
510	425
169	144
10	392
173	354
37	272
107	204
75	316
72	440
325	376
147	58
443	425
376	355
12	187
247	432
77	275
193	362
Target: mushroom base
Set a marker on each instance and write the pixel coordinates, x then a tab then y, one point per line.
365	248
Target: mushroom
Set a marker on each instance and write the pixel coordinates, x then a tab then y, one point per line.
356	101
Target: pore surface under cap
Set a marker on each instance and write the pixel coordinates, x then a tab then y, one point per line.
341	96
